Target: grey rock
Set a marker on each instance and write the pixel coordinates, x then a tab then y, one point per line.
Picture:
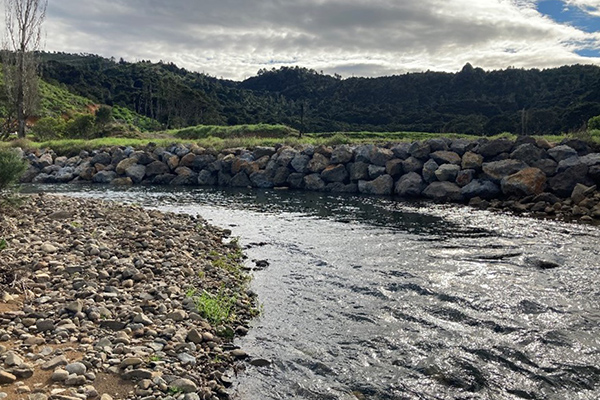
567	163
443	191
261	179
383	185
262	151
206	178
401	150
7	378
465	177
194	336
59	375
185	385
410	185
447	172
419	150
461	146
497	170
358	170
412	164
104	176
481	188
240	180
136	172
562	184
318	163
44	325
429	169
76	368
446	157
493	148
334	173
528	153
562	152
394	168
546	165
375	171
314	182
300	163
157	168
55	362
341	154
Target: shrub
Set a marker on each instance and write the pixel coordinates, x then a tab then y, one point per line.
49	128
12	167
594	123
82	126
215	308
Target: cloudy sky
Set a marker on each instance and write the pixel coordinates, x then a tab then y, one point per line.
235	38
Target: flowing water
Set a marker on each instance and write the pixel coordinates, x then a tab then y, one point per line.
370	298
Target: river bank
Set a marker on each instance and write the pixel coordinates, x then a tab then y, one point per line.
102	300
525	176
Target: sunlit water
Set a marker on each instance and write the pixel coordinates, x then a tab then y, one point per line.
372	298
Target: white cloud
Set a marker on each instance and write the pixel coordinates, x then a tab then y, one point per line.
234	38
591	7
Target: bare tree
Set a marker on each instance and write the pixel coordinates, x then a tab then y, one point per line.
24	20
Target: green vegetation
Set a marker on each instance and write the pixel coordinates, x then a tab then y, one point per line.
58	102
11	169
3	244
237	131
594	123
217	308
472	101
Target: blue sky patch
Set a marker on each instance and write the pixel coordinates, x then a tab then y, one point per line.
569	14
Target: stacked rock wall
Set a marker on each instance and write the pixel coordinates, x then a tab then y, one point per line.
444	170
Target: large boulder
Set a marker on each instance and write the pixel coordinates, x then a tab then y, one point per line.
375	171
358	170
443	191
372	154
341	154
394	168
318	163
446	157
380	186
546	165
526	182
493	148
280	176
528	153
240	180
472	160
124	164
447	172
412	164
497	170
562	184
102	157
300	163
401	150
410	185
156	168
285	156
562	152
461	146
334	173
429	169
206	178
136	172
420	150
261	179
480	188
104	176
262	151
314	182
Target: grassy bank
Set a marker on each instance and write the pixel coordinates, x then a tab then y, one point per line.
221	137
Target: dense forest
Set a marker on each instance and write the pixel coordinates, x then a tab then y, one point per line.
473	101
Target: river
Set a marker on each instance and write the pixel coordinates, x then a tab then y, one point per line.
371	298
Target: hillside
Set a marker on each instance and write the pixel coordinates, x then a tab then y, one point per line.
471	101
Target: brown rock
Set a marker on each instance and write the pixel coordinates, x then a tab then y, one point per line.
529	181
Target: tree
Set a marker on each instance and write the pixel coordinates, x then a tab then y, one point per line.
24	20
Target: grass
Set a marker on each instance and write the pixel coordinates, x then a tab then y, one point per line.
71	147
55	101
3	244
236	131
217	308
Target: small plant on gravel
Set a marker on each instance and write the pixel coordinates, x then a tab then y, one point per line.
215	308
155	358
3	244
173	390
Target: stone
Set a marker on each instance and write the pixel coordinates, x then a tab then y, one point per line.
184	385
341	154
529	181
334	173
528	153
313	182
124	164
546	165
59	375
375	171
136	172
44	325
177	315
262	151
101	158
104	177
419	150
590	159
465	177
358	170
122	182
12	359
581	192
239	353
562	152
438	144
383	185
163	179
562	184
7	378
75	380
141	318
412	164
480	188
137	374
194	336
461	146
447	172
410	185
429	169
497	170
48	248
443	191
394	168
446	157
493	148
300	163
240	180
131	362
261	179
76	368
55	362
401	150
318	163
157	168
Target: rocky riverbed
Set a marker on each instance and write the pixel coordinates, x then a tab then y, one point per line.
108	301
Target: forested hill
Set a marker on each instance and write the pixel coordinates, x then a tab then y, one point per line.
470	101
